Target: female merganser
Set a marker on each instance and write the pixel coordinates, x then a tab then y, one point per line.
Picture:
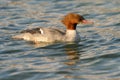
42	34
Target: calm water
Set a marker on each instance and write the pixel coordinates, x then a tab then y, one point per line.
96	57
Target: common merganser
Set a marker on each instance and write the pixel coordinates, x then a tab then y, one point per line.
42	34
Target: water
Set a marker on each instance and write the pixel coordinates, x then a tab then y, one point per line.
96	57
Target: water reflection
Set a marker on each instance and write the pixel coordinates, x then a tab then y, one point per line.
72	52
70	49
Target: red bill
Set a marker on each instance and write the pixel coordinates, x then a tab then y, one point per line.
87	22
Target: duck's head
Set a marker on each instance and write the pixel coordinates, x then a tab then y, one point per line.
72	19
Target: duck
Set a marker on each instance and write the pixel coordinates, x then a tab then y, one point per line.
48	34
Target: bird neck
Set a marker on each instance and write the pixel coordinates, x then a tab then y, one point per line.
71	26
71	35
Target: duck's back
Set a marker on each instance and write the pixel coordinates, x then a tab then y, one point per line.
41	34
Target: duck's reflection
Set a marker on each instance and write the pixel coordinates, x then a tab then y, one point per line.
72	52
71	49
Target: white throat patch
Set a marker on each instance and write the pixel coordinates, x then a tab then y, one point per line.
41	31
71	35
